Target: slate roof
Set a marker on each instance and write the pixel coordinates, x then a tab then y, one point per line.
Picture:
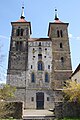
77	69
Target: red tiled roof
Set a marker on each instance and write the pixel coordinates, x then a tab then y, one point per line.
21	20
57	21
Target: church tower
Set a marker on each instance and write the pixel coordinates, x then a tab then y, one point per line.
39	67
61	59
18	55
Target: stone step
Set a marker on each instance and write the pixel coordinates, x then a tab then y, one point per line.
38	115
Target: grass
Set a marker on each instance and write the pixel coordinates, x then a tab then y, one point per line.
71	119
11	118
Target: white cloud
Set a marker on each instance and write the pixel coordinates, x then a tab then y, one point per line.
70	35
78	38
4	37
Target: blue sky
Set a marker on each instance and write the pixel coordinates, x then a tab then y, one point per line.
40	13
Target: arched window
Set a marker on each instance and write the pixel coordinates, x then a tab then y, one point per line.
19	45
46	77
61	33
61	45
40	65
39	56
39	43
40	49
62	59
22	32
58	33
18	32
32	78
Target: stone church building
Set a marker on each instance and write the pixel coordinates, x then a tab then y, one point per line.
39	67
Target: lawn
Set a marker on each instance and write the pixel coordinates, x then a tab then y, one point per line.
71	119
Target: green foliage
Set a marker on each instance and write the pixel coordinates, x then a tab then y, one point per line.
72	91
71	119
7	92
6	109
8	119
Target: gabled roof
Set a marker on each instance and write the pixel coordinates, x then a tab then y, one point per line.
77	69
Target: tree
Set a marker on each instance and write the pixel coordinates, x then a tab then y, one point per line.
72	91
2	69
6	92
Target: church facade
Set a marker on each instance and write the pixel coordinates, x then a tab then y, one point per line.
39	67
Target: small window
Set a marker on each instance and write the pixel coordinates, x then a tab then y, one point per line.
20	46
62	59
61	33
47	98
22	32
45	49
40	49
33	56
17	46
48	66
33	49
58	33
39	56
32	99
44	56
32	78
39	43
46	77
61	46
40	65
31	66
17	32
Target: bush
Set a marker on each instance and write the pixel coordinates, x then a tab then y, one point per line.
11	110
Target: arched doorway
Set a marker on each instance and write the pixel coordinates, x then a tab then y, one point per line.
39	100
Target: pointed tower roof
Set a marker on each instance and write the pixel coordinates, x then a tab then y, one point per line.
55	22
22	13
56	19
22	18
22	21
56	15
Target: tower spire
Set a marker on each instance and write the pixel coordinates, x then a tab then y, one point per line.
56	15
22	12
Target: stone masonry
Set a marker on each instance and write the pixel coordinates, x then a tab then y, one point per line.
39	67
